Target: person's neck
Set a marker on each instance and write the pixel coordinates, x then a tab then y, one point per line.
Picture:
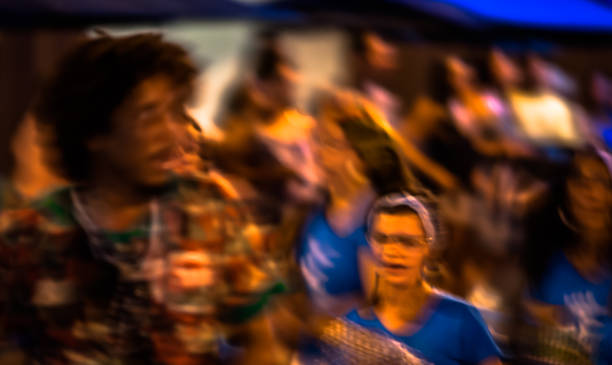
587	260
113	204
115	196
402	306
347	210
115	190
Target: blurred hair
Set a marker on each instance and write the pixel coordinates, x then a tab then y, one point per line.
383	163
439	88
235	100
402	203
357	43
78	101
268	56
395	210
267	62
24	58
385	166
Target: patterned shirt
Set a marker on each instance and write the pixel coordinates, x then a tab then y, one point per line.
161	290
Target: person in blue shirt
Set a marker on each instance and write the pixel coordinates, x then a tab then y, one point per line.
360	161
573	293
441	329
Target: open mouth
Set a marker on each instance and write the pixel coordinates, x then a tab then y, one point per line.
394	266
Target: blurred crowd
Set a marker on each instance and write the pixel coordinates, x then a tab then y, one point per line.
470	227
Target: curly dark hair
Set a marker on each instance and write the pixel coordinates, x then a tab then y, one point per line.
77	102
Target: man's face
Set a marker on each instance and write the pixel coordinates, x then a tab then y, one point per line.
146	133
398	242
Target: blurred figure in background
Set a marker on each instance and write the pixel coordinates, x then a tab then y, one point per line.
428	128
487	230
598	91
479	114
570	297
543	110
441	329
260	117
267	153
25	55
375	60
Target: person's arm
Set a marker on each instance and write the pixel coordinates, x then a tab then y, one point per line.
432	169
413	155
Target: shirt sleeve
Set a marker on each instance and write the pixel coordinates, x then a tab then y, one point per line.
477	342
353	316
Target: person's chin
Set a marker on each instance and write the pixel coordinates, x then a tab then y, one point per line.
398	275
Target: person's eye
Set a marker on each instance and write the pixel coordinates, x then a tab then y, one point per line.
411	242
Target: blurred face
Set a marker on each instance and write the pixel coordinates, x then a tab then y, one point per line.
381	57
380	54
461	76
504	70
146	135
399	244
590	194
277	94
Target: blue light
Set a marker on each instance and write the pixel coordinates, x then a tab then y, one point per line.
582	14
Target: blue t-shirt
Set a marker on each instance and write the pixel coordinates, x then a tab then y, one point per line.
455	333
562	285
329	262
587	301
604	353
